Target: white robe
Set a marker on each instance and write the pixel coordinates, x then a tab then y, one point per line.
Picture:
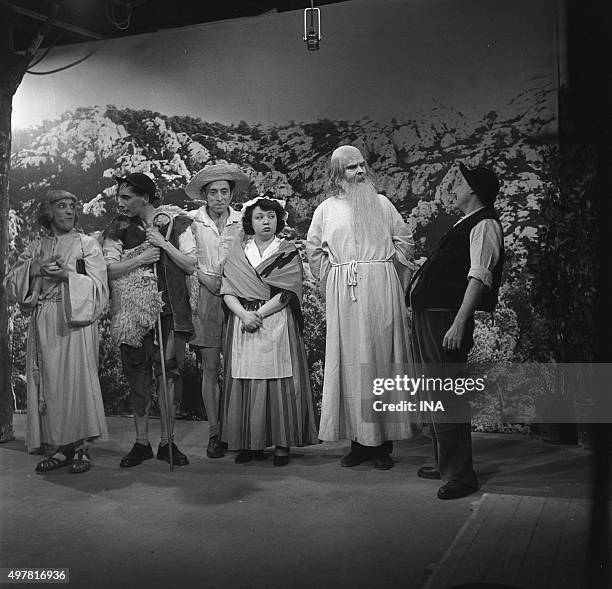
62	360
367	325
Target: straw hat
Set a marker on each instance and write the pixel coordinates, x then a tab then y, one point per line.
229	172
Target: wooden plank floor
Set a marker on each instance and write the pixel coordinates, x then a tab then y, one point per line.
519	541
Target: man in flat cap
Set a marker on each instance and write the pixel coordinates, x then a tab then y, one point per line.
358	248
217	228
142	236
462	275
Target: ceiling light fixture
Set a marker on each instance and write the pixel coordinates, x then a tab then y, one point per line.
312	33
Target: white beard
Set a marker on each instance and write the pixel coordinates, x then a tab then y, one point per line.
368	216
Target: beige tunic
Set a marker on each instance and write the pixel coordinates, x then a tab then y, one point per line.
367	327
212	248
62	360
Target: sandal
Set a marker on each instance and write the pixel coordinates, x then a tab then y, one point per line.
81	462
52	463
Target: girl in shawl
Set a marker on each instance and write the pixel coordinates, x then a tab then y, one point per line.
267	396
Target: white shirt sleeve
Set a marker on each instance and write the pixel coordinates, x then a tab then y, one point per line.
112	250
186	241
486	241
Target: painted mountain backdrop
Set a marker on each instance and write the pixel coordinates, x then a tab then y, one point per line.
412	159
414	162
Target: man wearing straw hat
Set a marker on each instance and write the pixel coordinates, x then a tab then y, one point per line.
149	251
217	228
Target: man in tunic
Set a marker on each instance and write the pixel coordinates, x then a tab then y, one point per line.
217	228
142	236
462	275
61	280
356	244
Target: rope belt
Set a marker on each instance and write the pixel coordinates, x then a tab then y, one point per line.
54	299
351	278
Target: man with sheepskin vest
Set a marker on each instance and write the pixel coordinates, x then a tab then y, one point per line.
133	244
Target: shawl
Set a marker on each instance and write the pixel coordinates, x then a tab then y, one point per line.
282	271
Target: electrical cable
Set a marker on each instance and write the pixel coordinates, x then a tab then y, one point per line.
110	16
65	67
46	52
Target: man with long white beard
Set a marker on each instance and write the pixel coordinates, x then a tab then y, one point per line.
358	246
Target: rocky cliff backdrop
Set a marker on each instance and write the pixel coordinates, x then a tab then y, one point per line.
414	161
439	82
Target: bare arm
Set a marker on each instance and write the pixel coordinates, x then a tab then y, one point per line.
274	305
251	320
486	240
185	262
116	269
455	334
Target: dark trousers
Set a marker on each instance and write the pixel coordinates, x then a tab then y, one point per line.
451	429
371	451
140	363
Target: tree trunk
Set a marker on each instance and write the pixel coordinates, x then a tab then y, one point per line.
12	69
7	90
6	393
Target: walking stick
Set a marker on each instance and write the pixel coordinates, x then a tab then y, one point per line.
166	408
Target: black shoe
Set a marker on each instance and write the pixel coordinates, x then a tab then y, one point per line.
280	460
138	454
455	490
429	472
353	459
383	462
215	449
178	458
243	456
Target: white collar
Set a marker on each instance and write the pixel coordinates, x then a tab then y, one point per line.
252	251
468	216
202	216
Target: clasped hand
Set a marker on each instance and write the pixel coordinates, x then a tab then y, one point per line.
155	238
150	255
251	321
53	268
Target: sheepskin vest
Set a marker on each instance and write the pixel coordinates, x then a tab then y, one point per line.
171	280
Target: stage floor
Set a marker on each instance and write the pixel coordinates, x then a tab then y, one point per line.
219	524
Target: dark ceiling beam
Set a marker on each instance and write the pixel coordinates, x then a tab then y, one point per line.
58	23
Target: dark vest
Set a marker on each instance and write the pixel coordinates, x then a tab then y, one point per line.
172	281
442	279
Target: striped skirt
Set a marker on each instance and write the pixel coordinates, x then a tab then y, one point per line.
257	413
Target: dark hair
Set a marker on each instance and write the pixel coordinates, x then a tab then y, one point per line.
231	183
45	214
265	204
153	198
